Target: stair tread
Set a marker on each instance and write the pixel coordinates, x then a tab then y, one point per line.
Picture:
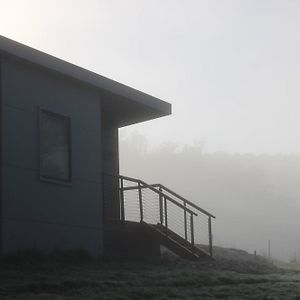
177	241
183	242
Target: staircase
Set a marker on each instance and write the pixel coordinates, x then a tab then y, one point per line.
166	218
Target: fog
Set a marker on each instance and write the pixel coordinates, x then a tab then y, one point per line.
255	197
230	69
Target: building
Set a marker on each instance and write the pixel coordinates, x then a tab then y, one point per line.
59	144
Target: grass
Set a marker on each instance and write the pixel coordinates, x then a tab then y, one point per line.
77	276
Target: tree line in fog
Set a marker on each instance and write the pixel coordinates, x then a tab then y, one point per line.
255	197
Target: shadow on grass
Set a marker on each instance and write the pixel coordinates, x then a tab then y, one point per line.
32	256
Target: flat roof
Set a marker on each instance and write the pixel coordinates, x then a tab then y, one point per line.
125	104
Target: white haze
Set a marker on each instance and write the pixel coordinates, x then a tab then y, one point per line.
231	70
255	197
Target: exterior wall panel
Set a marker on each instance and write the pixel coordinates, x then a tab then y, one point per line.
110	151
1	164
39	214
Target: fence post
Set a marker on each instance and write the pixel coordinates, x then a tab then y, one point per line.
185	222
210	237
122	200
161	216
192	230
141	202
166	214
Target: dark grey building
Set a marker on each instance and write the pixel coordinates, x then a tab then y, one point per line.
59	136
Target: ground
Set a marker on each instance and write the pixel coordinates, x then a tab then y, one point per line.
71	277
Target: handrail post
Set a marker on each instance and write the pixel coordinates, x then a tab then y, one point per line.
210	237
185	222
166	214
192	230
141	202
122	200
161	216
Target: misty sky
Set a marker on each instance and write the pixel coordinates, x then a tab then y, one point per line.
230	68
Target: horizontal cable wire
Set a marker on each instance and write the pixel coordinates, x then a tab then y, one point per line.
153	208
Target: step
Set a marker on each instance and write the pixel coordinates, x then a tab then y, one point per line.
194	249
172	244
117	231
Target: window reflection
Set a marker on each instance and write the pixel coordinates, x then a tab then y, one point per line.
55	146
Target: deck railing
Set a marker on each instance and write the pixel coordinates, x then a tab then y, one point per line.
156	204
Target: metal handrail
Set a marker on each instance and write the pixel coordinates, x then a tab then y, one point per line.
183	199
185	202
163	205
161	191
135	187
146	185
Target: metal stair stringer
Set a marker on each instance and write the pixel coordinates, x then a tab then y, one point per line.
176	244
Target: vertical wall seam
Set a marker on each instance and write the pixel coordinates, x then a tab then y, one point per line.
1	158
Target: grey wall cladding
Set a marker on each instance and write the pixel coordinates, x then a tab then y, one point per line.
39	214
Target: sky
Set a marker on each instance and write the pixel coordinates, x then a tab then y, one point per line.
230	68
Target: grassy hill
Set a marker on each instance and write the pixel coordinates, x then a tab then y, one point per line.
241	261
234	274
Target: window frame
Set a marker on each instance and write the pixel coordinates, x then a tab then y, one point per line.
49	179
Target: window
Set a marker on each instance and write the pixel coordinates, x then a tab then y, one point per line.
55	147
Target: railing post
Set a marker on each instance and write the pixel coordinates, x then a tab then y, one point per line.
192	230
141	202
166	214
122	200
161	216
210	237
185	222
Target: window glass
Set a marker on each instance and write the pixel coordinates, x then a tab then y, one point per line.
55	146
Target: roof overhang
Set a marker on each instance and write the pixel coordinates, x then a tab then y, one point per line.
122	105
